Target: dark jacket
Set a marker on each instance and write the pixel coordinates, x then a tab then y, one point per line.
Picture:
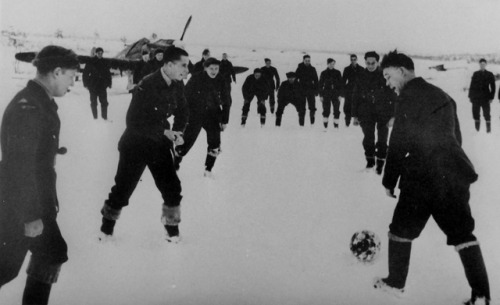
372	99
270	74
30	142
482	86
198	67
425	144
330	83
307	78
290	93
226	70
349	76
96	75
139	71
253	86
153	102
151	67
208	97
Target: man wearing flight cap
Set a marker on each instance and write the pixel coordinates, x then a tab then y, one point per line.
28	197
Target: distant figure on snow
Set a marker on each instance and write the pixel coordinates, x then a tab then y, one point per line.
254	86
28	196
139	69
349	76
154	64
270	74
308	80
198	67
372	108
97	78
434	175
481	94
330	89
226	70
209	104
289	92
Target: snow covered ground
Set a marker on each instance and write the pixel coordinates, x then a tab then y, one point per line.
274	225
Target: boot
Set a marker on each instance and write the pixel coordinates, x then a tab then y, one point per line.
104	112
36	292
347	122
478	301
370	162
209	162
399	263
380	166
311	116
243	121
278	121
477	123
262	120
301	120
108	226
109	217
172	235
488	126
171	217
336	123
325	122
94	111
475	272
272	108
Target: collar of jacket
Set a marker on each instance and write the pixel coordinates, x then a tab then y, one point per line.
412	84
167	79
41	91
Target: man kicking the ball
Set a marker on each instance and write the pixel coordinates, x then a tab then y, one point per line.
434	175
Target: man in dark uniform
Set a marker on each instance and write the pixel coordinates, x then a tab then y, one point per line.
372	108
434	175
28	197
349	76
254	86
148	142
308	80
138	71
330	89
153	65
198	67
209	105
226	70
97	78
289	93
481	94
269	73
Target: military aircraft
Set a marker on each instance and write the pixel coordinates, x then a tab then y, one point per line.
126	59
134	51
129	58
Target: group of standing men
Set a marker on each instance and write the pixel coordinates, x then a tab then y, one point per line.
368	101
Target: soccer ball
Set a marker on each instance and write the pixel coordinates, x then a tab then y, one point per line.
365	246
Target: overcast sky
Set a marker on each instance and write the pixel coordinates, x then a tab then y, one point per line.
417	26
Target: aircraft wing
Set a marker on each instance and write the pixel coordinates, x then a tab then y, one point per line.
239	70
114	63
